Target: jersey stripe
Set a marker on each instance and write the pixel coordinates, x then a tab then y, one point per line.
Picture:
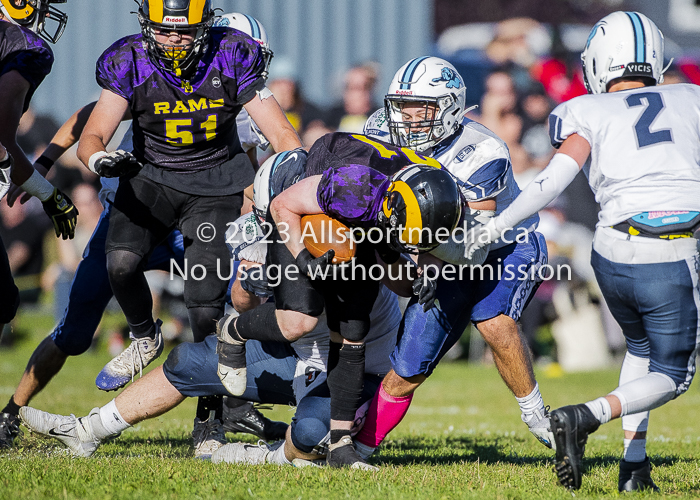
639	37
410	70
255	29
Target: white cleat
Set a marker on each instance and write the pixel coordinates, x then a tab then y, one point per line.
75	433
122	369
244	453
541	428
207	437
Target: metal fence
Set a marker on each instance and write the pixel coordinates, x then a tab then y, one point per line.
320	38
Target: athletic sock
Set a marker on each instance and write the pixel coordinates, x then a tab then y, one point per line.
531	404
145	329
601	410
635	450
338	434
12	408
278	457
384	414
259	324
111	421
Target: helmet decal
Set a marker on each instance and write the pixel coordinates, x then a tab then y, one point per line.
407	77
451	77
639	38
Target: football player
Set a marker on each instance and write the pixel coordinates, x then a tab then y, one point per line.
348	177
277	373
424	111
25	60
643	142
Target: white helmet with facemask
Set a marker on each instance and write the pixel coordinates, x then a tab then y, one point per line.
251	27
622	44
435	84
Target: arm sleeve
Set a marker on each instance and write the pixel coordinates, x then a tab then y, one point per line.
540	192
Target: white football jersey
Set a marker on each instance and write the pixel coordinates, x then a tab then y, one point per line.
645	148
480	161
248	134
245	241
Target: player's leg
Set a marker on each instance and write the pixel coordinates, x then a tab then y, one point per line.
142	215
9	302
89	295
511	276
294	313
423	339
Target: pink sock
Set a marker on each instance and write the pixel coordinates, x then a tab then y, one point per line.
385	413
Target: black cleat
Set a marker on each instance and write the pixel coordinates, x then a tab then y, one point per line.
635	476
248	419
9	429
571	426
343	454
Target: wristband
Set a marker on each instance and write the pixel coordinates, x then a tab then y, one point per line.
37	186
93	159
45	162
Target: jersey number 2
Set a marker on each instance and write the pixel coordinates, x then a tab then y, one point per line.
654	106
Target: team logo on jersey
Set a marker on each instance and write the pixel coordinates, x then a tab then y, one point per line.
464	153
216	82
451	77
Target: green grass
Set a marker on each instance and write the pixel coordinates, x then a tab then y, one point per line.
462	438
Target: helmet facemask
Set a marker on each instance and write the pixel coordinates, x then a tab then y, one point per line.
36	15
435	114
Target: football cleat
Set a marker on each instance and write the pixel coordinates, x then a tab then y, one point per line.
300	463
571	426
207	437
9	429
343	454
75	433
635	476
232	363
122	369
248	419
244	453
540	426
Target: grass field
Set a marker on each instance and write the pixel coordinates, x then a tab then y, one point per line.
462	438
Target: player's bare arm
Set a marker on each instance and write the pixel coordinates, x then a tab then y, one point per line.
13	89
272	122
101	125
291	205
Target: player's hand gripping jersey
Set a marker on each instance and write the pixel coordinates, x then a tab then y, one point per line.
24	51
188	125
632	133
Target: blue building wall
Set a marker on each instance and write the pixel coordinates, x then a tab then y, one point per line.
321	38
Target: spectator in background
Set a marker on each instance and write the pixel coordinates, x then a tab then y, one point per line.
35	132
358	100
283	84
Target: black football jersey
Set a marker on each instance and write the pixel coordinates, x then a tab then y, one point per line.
341	148
187	126
24	51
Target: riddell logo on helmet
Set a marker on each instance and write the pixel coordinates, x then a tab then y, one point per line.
404	92
175	20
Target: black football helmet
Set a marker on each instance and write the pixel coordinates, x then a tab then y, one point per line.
34	14
181	16
422	204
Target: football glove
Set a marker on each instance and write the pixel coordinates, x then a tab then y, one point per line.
425	288
314	267
117	164
5	171
63	214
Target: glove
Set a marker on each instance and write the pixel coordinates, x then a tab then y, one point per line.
5	180
425	288
256	283
117	164
479	236
314	267
63	214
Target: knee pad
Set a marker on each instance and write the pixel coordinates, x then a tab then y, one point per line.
354	330
172	362
309	434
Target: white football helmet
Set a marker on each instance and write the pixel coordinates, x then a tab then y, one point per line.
622	44
376	126
251	27
276	174
434	83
